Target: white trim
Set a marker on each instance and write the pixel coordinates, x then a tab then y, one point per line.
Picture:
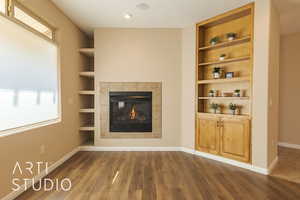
293	146
22	129
96	148
15	194
227	161
272	165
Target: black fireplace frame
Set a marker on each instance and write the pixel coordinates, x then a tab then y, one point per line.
129	97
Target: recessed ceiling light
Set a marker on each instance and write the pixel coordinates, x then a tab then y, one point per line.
127	16
143	6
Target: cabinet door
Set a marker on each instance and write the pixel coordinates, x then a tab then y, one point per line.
207	139
235	139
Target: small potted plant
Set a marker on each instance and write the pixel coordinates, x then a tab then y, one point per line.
217	72
222	57
215	107
214	40
237	93
231	36
233	108
212	93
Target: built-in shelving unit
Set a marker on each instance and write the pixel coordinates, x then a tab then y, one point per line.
87	51
229	80
221	130
87	74
90	110
218	62
87	128
224	98
87	94
227	43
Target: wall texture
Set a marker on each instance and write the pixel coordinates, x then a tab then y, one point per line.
60	138
289	89
273	94
142	55
188	90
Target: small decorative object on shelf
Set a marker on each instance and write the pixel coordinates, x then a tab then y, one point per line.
217	72
213	93
215	40
222	57
237	93
231	36
227	94
216	108
229	75
234	109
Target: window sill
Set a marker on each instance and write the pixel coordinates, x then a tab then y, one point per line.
22	129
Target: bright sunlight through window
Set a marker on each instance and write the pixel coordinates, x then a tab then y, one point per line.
2	6
28	77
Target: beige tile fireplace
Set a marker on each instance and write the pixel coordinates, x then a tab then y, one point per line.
155	88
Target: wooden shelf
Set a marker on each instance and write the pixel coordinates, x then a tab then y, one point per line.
226	61
87	51
223	98
227	43
87	74
87	128
88	143
89	110
224	115
238	79
87	92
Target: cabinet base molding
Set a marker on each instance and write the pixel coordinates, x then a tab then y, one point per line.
250	167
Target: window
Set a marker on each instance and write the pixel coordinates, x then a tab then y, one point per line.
15	10
2	6
19	12
29	80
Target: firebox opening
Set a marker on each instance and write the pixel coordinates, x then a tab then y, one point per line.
130	111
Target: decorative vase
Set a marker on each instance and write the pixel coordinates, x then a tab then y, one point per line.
237	94
217	75
221	58
231	38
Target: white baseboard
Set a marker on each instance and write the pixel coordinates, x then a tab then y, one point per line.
293	146
38	177
227	161
95	148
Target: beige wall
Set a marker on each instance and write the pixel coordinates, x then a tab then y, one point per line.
188	90
60	138
289	89
273	111
143	55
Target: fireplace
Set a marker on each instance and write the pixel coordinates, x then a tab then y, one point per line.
130	111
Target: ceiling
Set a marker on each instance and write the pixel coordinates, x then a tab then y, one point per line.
91	14
289	16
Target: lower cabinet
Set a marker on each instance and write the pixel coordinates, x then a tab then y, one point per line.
208	135
227	137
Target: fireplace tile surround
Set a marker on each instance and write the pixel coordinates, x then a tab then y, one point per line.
104	109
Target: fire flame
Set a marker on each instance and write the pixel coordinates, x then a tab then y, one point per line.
132	113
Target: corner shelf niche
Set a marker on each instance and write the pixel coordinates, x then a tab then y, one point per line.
87	94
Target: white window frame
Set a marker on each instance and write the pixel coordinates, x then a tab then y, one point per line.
9	15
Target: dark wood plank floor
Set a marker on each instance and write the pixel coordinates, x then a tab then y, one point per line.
161	176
